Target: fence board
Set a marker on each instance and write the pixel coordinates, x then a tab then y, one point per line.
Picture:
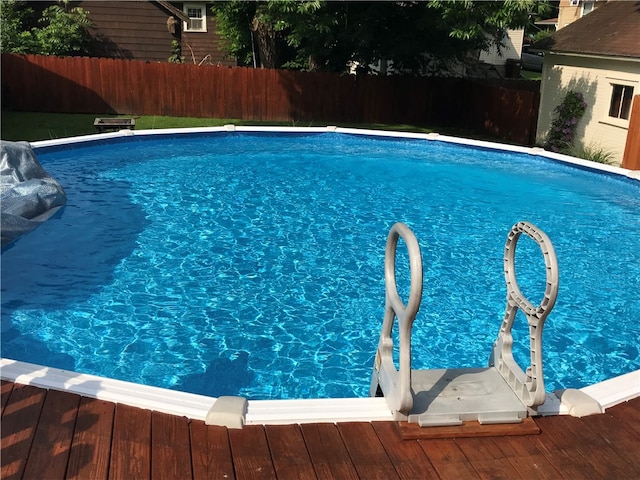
505	110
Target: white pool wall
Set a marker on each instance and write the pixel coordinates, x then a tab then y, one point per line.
535	151
265	412
608	393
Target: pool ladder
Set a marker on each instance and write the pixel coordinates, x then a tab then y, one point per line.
499	393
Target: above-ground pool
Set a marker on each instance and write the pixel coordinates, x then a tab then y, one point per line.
227	263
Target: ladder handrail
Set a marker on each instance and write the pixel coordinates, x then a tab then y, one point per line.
529	385
396	384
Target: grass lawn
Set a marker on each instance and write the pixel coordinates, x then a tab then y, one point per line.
529	75
31	127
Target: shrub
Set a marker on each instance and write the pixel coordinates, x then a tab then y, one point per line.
176	53
563	127
593	153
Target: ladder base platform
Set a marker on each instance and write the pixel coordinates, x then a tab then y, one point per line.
450	397
413	431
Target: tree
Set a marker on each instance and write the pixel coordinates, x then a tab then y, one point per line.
63	30
13	36
319	35
268	33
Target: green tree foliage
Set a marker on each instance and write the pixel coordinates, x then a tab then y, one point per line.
328	35
13	36
268	33
62	30
176	52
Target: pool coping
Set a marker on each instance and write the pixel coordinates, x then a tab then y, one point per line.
534	151
607	393
266	412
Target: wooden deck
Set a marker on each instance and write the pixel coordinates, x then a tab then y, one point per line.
55	435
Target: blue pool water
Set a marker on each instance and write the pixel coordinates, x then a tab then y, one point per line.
252	264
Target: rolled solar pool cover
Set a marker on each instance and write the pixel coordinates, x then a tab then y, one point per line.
28	194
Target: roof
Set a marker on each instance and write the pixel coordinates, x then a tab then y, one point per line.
175	11
548	21
612	30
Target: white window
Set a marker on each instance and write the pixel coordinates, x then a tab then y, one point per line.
621	98
587	7
197	14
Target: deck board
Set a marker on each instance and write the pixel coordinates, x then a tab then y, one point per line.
447	459
5	393
488	460
289	452
567	456
328	452
51	447
594	454
57	435
91	447
629	414
527	457
170	447
19	422
131	444
409	460
210	452
250	451
366	451
617	434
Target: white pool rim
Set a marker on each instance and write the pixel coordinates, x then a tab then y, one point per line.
534	151
265	412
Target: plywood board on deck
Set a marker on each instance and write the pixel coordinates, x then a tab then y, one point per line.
413	431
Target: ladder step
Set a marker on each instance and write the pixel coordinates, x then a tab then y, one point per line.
444	420
500	417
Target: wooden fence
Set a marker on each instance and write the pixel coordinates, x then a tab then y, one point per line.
631	157
506	110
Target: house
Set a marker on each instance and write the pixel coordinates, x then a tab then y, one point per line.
599	56
510	51
568	12
571	10
549	24
146	30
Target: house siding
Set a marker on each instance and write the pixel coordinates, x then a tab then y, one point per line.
138	30
567	13
513	46
593	77
205	47
134	29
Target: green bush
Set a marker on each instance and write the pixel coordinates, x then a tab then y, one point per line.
176	53
593	153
